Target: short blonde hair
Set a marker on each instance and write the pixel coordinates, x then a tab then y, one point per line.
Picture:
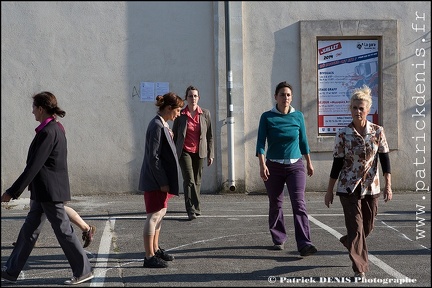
362	94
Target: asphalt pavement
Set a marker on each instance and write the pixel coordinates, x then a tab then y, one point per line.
229	244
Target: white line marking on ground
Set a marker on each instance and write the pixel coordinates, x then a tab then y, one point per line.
104	249
389	270
106	238
403	235
168	216
213	239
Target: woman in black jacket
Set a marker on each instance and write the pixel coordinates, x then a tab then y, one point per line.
46	176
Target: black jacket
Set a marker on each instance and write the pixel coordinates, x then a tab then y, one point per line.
46	172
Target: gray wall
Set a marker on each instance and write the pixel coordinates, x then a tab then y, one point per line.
94	55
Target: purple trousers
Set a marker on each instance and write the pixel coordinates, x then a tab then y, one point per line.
294	176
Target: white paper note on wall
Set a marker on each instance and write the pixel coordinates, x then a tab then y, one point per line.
147	91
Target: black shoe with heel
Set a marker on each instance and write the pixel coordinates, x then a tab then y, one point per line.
161	253
154	262
308	250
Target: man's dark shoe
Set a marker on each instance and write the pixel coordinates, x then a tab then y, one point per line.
192	216
7	277
308	250
161	253
154	262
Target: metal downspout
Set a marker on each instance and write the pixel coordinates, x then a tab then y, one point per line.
230	118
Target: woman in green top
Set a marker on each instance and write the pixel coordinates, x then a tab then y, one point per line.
284	130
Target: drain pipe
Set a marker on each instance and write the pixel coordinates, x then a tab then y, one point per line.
230	118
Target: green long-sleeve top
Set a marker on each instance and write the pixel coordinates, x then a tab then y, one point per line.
285	135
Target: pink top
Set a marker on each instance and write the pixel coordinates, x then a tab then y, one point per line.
45	122
193	131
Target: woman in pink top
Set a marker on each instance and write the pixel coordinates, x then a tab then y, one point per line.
194	142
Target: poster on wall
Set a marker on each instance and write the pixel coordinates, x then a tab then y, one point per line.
149	90
344	65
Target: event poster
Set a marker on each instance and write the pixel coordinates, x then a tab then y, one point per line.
344	65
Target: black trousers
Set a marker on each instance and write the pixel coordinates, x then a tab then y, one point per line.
60	223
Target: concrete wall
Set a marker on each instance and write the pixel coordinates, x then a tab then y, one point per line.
94	55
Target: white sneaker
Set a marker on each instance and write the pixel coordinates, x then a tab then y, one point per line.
74	280
278	247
